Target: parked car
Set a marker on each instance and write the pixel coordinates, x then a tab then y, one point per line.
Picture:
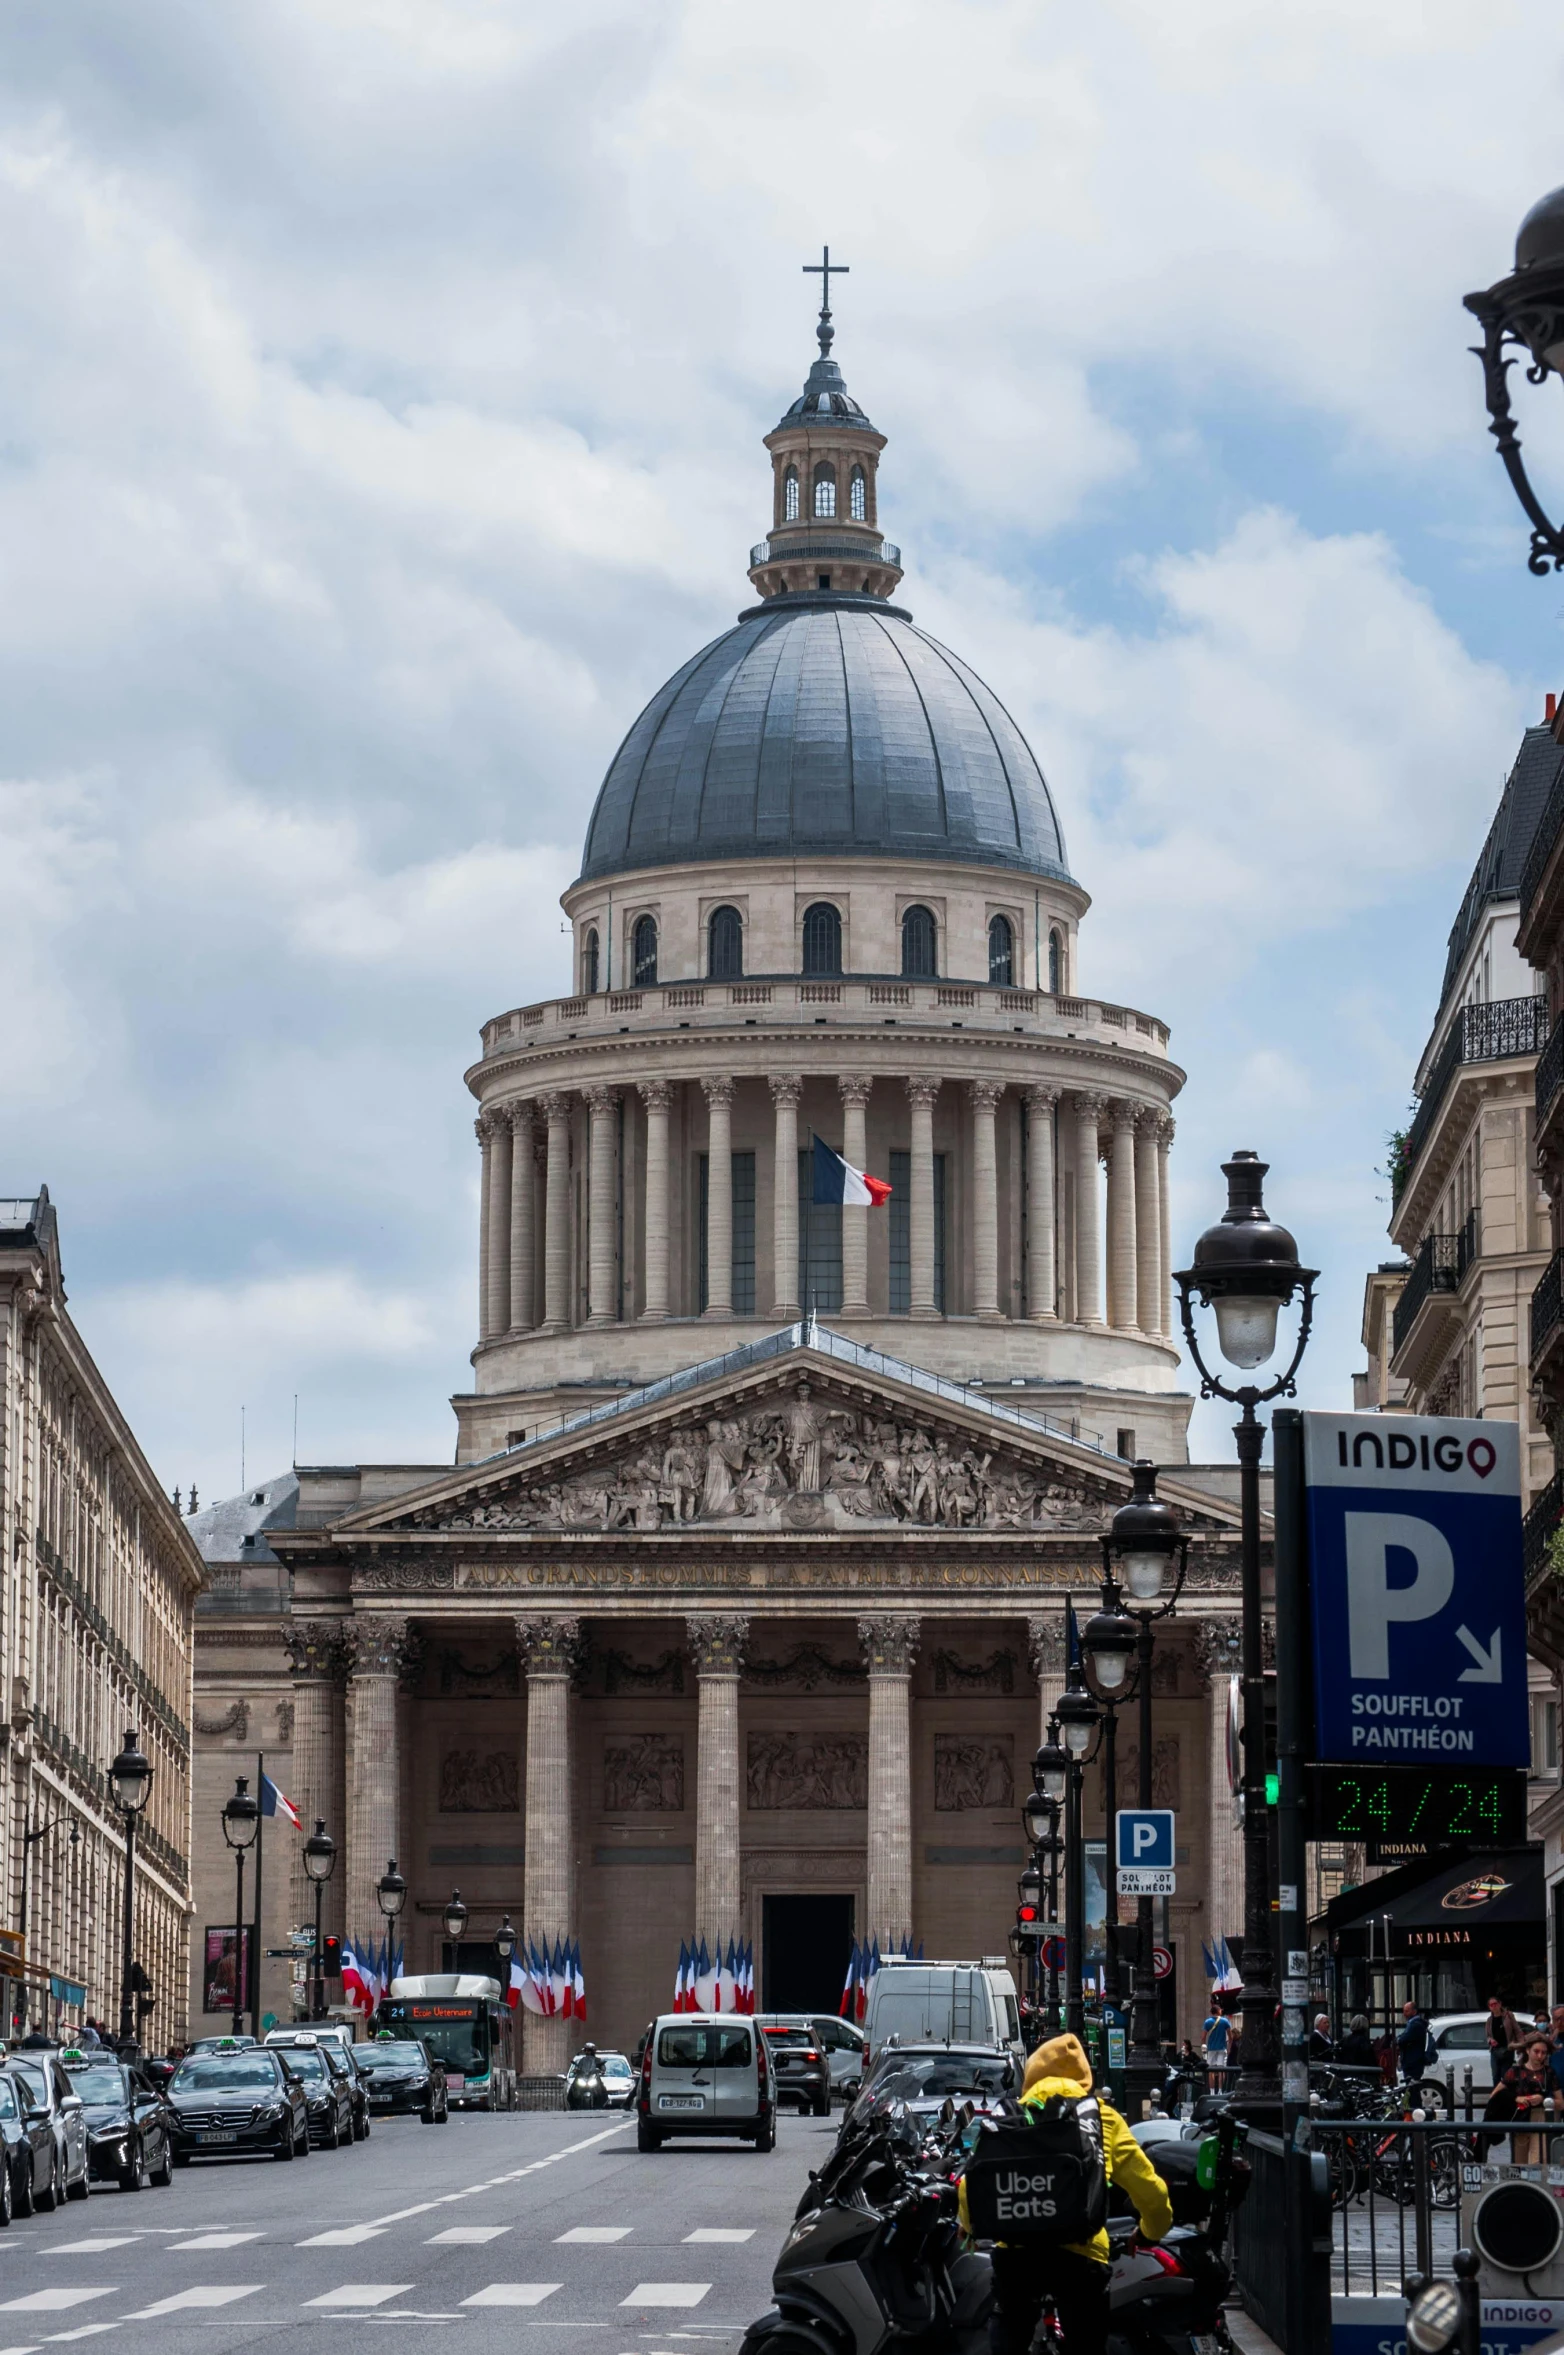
237	2104
403	2075
935	2002
130	2127
845	2048
1461	2039
27	2134
803	2071
924	2076
218	2044
327	2102
52	2091
337	2056
706	2077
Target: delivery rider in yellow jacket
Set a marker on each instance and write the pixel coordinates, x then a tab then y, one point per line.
1076	2278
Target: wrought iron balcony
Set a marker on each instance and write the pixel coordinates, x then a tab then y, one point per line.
1479	1034
1539	1526
1438	1267
1547	1307
1550	1073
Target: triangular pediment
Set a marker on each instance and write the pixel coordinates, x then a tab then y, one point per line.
806	1432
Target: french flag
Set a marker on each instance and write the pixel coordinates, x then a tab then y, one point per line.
577	1980
848	2007
836	1180
275	1802
354	1980
515	1982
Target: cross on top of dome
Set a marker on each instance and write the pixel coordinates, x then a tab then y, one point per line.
825	395
822	270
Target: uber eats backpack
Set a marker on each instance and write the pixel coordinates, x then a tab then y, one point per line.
1045	2183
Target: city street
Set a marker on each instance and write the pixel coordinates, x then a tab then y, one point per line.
550	2222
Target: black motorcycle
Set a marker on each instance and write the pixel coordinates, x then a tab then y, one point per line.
587	2087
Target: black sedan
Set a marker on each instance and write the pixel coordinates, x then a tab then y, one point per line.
923	2077
802	2064
339	2061
403	2075
27	2138
327	2101
239	2104
130	2127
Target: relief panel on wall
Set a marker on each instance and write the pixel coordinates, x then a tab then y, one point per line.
643	1774
479	1782
808	1770
973	1771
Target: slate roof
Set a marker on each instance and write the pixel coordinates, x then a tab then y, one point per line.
1497	874
824	726
234	1529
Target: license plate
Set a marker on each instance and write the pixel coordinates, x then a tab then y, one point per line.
455	2084
1204	2344
380	2101
680	2101
229	2134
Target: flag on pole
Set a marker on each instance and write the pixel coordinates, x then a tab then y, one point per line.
353	1981
1235	1772
679	1977
836	1180
275	1802
515	1982
532	1982
557	1988
1072	1636
727	1983
705	1981
848	2005
578	1980
749	1976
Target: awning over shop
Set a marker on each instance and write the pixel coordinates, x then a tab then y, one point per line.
1490	1889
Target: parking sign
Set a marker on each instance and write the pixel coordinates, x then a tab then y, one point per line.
1417	1590
1144	1851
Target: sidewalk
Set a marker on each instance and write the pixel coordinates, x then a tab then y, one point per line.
1247	2335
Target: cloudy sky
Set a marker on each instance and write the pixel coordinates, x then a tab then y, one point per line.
380	392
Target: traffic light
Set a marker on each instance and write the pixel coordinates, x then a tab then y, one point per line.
1029	1925
331	1958
1273	1789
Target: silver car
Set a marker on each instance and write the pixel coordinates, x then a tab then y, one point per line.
54	2094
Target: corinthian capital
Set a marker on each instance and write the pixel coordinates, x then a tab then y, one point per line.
890	1640
314	1648
521	1118
855	1087
985	1094
556	1109
1092	1108
601	1101
1041	1100
376	1646
716	1641
717	1091
921	1089
549	1646
786	1088
1045	1640
1219	1647
656	1094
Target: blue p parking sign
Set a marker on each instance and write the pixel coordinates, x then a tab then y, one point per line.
1417	1590
1145	1839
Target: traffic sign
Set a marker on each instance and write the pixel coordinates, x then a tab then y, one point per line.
1144	1843
1147	1880
1416	1590
1053	1954
1162	1962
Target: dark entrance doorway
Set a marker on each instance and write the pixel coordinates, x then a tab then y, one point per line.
804	1943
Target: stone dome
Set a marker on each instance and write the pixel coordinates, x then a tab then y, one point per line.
824	726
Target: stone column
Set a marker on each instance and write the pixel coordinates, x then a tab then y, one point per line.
1165	1225
556	1228
1088	1223
1046	1644
656	1095
500	1161
985	1095
602	1263
316	1657
523	1217
786	1088
483	1130
889	1643
1042	1282
717	1643
549	1649
854	1092
377	1650
1148	1225
920	1209
1121	1219
1219	1655
719	1196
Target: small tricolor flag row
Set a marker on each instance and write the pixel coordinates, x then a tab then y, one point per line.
549	1983
367	1972
863	1968
711	1980
1221	1970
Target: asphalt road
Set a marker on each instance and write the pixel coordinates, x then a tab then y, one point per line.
550	2223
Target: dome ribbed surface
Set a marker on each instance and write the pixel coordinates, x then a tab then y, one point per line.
825	729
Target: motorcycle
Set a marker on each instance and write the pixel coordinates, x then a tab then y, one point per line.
587	2088
876	2261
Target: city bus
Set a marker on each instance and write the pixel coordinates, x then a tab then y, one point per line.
463	2020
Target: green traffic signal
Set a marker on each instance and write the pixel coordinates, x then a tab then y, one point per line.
1273	1789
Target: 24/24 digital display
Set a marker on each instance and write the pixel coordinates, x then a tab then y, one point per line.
1417	1803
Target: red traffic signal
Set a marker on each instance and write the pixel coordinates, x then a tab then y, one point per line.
331	1958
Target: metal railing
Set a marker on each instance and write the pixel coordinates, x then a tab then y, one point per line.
855	551
1547	1305
1550	1072
1259	2234
1542	843
1539	1526
1436	1268
1479	1034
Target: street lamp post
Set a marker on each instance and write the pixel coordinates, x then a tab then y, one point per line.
391	1892
1246	1269
1107	1647
130	1781
320	1856
241	1822
1050	1786
1522	316
455	1918
1079	1722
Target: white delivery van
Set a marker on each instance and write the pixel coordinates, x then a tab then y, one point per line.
944	2002
705	2076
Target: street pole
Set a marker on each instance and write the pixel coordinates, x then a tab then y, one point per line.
1110	1809
128	1933
1306	2290
239	1973
1054	2021
1075	1906
259	1949
1258	2087
1143	2078
318	1992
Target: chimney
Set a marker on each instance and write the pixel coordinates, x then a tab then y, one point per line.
1550	713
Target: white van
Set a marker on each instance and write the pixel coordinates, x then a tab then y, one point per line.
705	2076
944	2002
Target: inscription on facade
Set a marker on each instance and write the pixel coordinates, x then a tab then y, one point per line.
973	1772
479	1782
643	1774
808	1770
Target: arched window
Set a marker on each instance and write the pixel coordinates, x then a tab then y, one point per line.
825	488
822	938
643	952
858	495
589	961
1055	962
790	495
1001	953
919	945
725	945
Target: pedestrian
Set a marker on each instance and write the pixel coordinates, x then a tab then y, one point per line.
87	2037
1527	2078
1504	2035
1321	2045
1357	2046
1057	2089
1218	2042
1416	2051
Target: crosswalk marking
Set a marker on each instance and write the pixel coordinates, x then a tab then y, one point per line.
215	2240
342	2236
52	2301
667	2293
205	2294
91	2248
593	2232
507	2293
85	2330
362	2293
723	2232
467	2235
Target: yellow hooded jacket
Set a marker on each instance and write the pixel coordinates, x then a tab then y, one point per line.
1060	2066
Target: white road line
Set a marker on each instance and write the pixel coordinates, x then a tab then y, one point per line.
513	2293
343	2236
593	2232
497	2182
91	2248
723	2232
362	2293
52	2301
466	2235
18	2351
87	2330
207	2294
216	2240
667	2293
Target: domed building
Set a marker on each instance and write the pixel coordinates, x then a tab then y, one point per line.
742	1609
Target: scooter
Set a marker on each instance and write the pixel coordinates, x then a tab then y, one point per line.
588	2087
